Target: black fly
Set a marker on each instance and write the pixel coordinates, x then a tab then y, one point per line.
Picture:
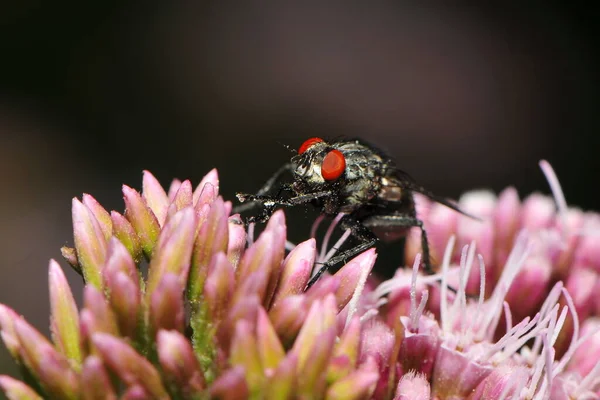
353	178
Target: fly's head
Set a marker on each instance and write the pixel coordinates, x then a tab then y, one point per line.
349	169
317	166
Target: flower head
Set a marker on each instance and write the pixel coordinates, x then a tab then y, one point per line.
222	315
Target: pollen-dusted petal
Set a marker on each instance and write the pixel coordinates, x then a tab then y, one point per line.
270	349
89	242
455	374
314	345
282	384
359	384
245	353
17	390
296	270
166	305
142	219
50	367
96	381
7	331
131	367
123	230
64	319
155	196
413	386
173	251
102	216
349	276
179	364
288	316
211	239
237	240
219	286
504	380
211	178
231	385
529	287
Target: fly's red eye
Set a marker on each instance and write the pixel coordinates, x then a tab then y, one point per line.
333	165
308	143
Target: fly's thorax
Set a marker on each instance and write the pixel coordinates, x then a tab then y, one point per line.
362	176
390	190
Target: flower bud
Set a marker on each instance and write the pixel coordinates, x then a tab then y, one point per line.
64	319
90	243
129	366
179	363
142	219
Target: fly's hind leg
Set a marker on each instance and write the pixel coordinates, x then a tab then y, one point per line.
404	221
358	231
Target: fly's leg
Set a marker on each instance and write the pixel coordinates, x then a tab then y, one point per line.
366	240
266	188
270	203
404	221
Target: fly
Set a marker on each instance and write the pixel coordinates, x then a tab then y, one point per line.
353	178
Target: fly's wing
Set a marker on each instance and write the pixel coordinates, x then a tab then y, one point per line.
405	181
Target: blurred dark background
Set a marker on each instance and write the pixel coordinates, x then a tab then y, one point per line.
93	93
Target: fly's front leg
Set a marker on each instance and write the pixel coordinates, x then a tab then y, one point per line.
404	221
266	188
270	203
358	231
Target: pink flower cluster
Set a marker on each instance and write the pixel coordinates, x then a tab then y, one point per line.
219	315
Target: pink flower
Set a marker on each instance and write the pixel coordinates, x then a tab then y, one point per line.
221	315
